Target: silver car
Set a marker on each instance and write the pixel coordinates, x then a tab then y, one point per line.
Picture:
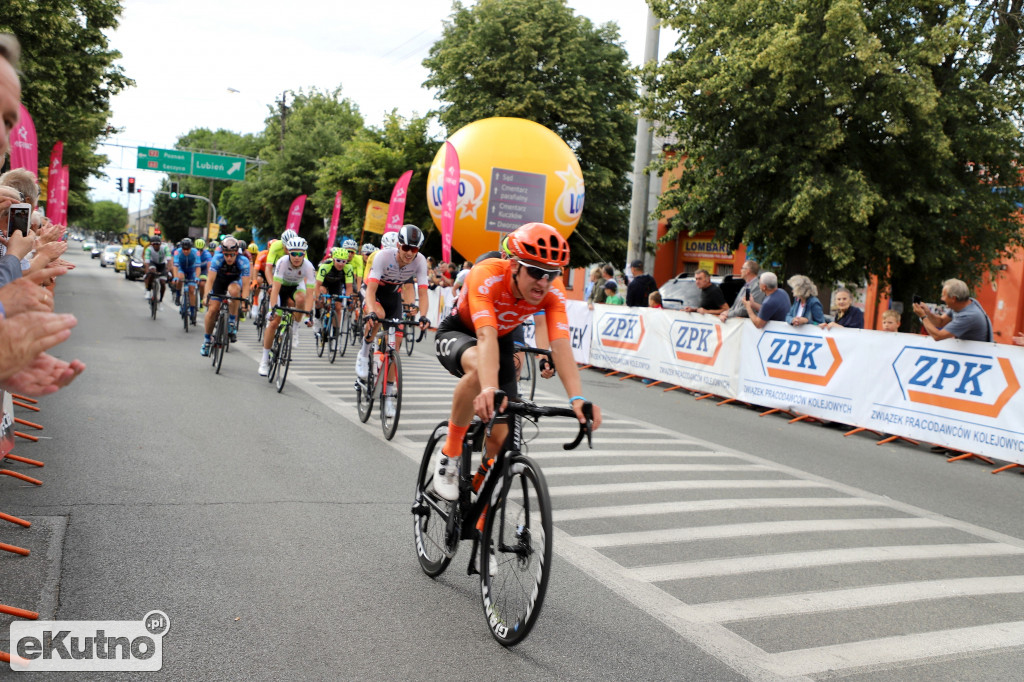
109	255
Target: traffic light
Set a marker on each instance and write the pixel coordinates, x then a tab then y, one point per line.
174	190
120	185
131	185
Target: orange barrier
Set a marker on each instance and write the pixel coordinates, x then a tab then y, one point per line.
15	519
14	550
20	613
19	434
23	477
24	399
24	460
1008	466
27	423
25	405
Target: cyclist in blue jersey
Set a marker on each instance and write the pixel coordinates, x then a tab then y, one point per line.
187	264
229	276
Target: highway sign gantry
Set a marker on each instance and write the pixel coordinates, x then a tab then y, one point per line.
201	165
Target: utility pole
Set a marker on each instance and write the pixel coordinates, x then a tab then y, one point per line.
638	207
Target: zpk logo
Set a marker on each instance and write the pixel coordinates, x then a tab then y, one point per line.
978	384
696	341
621	330
797	357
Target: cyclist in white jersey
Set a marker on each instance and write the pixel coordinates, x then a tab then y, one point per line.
391	269
294	275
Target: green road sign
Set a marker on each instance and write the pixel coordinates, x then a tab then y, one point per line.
191	163
166	160
218	167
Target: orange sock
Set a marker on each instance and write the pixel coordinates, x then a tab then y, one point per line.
453	444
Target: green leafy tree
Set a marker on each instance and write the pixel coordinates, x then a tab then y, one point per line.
368	168
174	216
106	216
68	78
843	138
535	59
317	126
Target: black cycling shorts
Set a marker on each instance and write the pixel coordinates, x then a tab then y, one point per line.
334	287
287	293
453	338
221	284
391	301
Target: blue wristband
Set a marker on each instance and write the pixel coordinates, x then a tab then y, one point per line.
575	398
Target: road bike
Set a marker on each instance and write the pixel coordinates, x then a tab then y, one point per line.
264	308
186	315
330	337
357	322
281	348
384	363
221	340
510	492
530	362
154	294
411	327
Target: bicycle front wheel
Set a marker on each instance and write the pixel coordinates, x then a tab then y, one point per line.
285	359
261	317
517	533
154	302
410	338
220	339
389	413
430	513
321	344
275	354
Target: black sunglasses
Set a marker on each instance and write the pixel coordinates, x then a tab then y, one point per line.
409	247
541	273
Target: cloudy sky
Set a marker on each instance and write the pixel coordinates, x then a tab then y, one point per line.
218	64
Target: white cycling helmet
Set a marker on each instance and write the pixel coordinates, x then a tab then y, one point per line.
389	241
368	248
296	244
350	244
288	234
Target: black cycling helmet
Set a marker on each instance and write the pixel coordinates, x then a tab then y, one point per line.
186	243
154	240
410	235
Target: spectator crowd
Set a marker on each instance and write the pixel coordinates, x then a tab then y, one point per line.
30	262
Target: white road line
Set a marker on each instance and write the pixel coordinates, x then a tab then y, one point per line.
944	643
640	468
587	454
707	505
610	441
742	530
828	557
655	486
856	598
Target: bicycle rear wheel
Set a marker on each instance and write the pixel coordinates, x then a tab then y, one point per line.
430	512
261	317
285	359
341	337
390	424
154	301
517	532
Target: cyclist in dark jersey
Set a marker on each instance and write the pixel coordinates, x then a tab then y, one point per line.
229	276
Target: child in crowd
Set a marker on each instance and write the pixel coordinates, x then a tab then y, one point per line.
890	321
654	300
611	290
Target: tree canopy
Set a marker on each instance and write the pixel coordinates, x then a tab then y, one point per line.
536	59
842	138
68	79
106	216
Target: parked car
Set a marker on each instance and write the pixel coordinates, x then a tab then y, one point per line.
121	262
136	266
109	255
682	291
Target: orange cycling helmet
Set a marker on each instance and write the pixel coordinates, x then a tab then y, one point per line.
539	243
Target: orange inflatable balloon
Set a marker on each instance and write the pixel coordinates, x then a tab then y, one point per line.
513	171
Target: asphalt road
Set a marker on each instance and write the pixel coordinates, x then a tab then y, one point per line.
695	542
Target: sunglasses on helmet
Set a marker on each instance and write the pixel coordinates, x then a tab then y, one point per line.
541	273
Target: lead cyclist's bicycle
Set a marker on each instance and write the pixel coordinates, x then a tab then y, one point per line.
517	526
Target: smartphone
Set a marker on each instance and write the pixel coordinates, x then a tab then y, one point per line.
20	218
747	294
917	299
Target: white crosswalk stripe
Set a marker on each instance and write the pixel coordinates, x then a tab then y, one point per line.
654	515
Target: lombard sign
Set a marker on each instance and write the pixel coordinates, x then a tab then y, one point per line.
966	382
798	357
697	342
621	330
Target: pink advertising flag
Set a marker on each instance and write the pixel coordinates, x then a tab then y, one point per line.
295	213
62	200
396	209
24	150
54	177
334	220
449	199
